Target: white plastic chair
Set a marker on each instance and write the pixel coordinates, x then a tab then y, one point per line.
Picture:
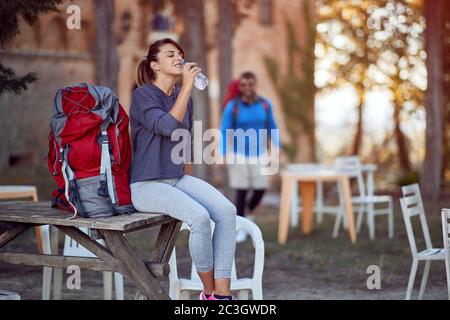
11	192
47	271
74	249
445	232
363	202
179	288
412	206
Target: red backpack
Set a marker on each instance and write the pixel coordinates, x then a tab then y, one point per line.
90	152
233	92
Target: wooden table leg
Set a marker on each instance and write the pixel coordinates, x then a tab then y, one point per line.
133	265
286	193
307	190
345	183
10	231
57	272
162	250
165	242
37	230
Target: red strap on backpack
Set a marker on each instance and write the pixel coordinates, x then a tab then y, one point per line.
233	92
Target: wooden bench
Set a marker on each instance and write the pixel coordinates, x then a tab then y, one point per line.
118	256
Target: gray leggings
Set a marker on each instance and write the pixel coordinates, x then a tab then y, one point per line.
195	202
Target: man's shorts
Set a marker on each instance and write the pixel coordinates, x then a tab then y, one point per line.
247	175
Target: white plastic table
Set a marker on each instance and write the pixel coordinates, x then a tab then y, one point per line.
308	179
367	169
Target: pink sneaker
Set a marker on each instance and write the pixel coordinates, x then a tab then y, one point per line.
203	296
212	297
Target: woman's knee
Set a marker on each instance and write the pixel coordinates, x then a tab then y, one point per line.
200	221
138	202
231	209
227	213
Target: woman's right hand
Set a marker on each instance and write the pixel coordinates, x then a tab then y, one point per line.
190	71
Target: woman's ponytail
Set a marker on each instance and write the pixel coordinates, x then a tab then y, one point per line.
144	73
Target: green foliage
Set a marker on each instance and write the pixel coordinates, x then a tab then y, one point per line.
409	177
10	12
9	82
296	89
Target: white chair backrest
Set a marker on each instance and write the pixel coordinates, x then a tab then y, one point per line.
446	229
412	206
73	248
351	166
241	224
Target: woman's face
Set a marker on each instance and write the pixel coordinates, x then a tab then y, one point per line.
169	61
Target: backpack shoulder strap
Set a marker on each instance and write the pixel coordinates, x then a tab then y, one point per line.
106	178
266	108
264	104
235	112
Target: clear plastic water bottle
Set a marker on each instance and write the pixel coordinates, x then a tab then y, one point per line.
200	81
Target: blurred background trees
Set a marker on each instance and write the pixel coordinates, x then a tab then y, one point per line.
376	44
396	47
296	87
436	163
399	46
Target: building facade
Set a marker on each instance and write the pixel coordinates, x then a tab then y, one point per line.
62	57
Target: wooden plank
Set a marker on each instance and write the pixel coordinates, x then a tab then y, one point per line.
54	261
154	224
102	252
133	265
9	231
94	264
41	213
90	244
165	242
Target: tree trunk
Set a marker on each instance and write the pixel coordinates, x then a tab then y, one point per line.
225	57
402	144
359	126
307	66
106	57
226	33
359	131
432	165
193	42
446	111
5	129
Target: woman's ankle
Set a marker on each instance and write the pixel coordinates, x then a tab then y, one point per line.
208	292
222	292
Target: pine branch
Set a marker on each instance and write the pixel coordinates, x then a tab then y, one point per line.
9	82
29	10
